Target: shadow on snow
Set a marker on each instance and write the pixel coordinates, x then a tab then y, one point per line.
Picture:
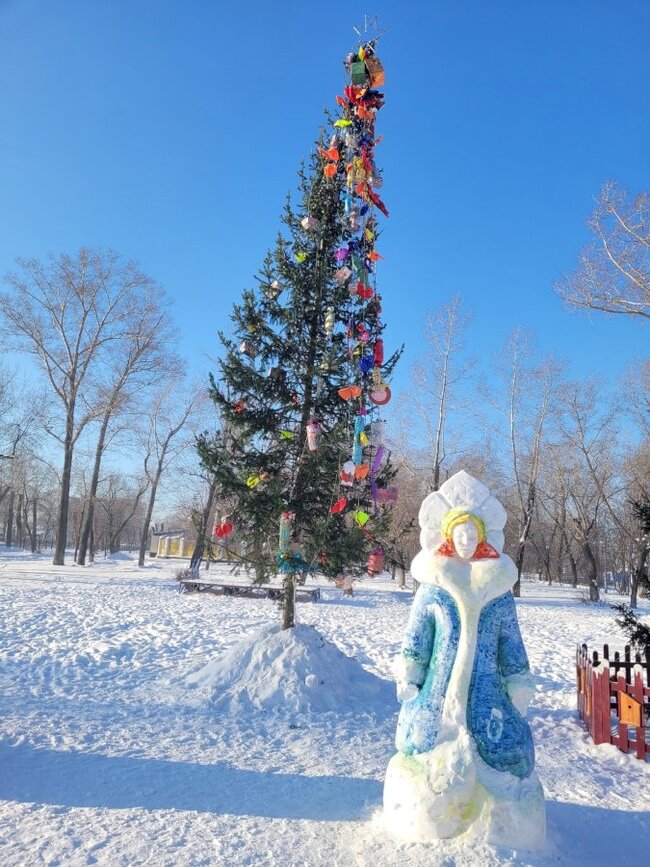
74	779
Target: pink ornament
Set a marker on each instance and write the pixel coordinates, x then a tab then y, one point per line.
313	432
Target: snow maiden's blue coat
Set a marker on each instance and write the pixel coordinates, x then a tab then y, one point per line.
430	644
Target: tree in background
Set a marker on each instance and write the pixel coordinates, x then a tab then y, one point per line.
304	370
166	436
613	273
532	392
69	314
141	356
438	379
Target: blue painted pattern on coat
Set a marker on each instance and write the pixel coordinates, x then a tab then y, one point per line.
430	643
502	735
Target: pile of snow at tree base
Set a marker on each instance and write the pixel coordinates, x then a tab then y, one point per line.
295	671
124	740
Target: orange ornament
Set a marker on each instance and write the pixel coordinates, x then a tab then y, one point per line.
350	391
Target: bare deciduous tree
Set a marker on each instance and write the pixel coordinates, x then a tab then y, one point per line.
140	356
613	273
175	404
437	378
68	313
531	391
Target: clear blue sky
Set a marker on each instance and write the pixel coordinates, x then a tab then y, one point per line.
171	131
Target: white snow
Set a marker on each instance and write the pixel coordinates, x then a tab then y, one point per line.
123	741
295	671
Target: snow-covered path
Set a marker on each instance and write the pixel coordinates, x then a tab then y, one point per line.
107	757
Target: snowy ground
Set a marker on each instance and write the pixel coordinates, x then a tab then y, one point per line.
111	753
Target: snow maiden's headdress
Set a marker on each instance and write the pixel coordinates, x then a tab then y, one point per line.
462	498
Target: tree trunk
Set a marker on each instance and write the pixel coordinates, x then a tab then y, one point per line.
64	499
592	572
288	601
34	533
523	537
401	576
144	539
202	529
92	493
9	530
19	521
638	573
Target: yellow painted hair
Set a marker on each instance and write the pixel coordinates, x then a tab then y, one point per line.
454	517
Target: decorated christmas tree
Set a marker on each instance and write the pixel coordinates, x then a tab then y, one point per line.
301	458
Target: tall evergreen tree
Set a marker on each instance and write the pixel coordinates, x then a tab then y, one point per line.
305	346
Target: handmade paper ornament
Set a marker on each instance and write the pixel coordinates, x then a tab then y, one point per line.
223	528
361	472
375	71
338	506
330	169
361	517
364	291
358	73
365	441
378	458
349	392
273	290
342	275
376	562
300	256
347	474
253	481
310	224
357	448
341	254
378	351
284	540
380	392
313	432
366	363
380	395
378	432
332	153
246	347
387	496
287	435
342	122
330	320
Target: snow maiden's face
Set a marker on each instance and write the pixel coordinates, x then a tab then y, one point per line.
465	537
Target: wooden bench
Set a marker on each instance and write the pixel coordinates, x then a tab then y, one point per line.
248	591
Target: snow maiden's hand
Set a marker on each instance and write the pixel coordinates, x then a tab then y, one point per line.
406	691
410	675
521	689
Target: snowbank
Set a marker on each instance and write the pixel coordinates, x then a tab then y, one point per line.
292	671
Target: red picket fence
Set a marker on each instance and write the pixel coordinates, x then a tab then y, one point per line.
614	698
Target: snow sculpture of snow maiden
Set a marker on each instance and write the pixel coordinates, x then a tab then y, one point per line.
465	752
